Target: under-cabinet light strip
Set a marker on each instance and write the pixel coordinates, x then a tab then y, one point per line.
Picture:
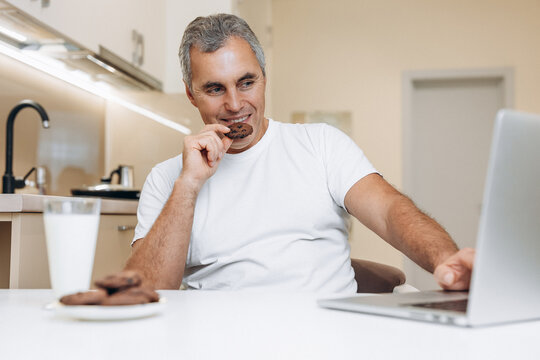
41	64
12	34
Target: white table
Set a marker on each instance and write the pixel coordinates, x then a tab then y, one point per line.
246	325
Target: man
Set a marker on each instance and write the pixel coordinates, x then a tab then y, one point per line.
269	210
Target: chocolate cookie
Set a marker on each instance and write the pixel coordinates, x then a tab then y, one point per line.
94	297
239	131
125	298
150	294
119	281
132	296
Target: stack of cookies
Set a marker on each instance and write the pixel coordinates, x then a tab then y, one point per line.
123	288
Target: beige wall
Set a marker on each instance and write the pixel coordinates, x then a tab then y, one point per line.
349	55
136	140
72	148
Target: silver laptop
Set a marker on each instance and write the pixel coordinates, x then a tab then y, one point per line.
505	285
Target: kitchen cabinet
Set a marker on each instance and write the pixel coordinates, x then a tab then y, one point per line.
112	24
23	251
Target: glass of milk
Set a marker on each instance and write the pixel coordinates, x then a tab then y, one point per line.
71	228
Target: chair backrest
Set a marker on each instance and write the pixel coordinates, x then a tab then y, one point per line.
373	277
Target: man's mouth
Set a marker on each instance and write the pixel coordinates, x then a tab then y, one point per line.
237	119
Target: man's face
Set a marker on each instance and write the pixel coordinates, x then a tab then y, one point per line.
228	86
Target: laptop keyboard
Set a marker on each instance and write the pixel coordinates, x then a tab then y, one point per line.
453	305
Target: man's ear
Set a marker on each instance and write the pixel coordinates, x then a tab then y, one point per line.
189	94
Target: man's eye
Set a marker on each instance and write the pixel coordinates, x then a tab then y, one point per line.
247	84
214	90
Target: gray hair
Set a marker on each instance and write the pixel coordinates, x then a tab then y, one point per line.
210	33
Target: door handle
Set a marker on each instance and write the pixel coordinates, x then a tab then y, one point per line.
125	227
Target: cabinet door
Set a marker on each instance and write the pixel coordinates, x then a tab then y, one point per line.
110	24
72	18
5	249
29	267
135	28
113	246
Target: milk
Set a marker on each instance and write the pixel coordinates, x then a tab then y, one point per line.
71	245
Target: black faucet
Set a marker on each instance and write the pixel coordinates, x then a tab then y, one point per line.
9	183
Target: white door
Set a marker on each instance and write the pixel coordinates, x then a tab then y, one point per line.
449	120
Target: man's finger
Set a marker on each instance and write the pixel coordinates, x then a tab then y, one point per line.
455	272
209	147
227	142
450	278
215	128
444	275
466	257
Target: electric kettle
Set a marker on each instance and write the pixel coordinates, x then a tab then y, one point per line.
125	176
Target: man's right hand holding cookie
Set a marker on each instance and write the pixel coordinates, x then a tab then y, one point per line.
202	154
160	256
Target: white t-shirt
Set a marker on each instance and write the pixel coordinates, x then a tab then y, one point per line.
271	217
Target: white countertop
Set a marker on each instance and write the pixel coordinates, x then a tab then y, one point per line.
247	325
34	203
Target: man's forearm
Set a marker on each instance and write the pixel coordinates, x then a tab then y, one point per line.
417	235
160	256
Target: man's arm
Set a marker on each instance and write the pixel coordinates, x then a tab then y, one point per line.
396	219
160	256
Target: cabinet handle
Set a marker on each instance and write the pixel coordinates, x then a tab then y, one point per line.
138	48
126	227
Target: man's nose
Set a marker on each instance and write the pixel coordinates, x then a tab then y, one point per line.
233	102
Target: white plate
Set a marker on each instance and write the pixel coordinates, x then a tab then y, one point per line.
100	313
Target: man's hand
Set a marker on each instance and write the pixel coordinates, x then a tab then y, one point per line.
455	272
202	153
